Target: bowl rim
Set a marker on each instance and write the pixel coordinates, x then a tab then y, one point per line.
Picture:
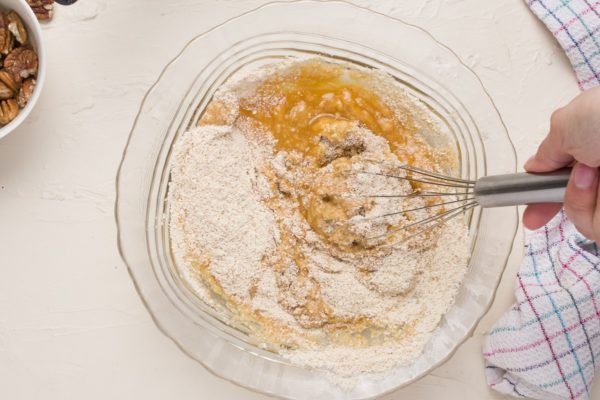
176	58
35	31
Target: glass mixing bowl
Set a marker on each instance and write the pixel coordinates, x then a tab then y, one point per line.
340	31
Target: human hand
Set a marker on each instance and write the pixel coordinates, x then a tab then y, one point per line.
574	139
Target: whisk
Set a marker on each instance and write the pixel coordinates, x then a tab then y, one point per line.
489	191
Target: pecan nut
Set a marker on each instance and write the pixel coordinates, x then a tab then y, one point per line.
21	63
8	110
8	81
5	92
43	9
48	4
25	92
7	41
8	87
16	27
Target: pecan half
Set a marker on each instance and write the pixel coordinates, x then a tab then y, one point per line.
5	92
25	92
8	111
8	87
7	41
43	9
8	81
16	27
21	63
40	3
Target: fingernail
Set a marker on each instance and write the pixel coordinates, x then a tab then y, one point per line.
584	176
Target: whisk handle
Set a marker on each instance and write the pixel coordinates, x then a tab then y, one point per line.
522	188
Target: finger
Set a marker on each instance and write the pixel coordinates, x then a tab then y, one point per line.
580	198
538	215
552	154
548	158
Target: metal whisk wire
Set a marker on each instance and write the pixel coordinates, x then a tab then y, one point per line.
463	188
425	181
488	191
418	208
442	216
441	220
436	175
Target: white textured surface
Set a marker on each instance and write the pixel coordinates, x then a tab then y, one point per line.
71	323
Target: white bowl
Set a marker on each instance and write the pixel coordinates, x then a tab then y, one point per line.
34	32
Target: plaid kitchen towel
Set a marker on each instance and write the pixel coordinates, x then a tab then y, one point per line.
547	346
576	26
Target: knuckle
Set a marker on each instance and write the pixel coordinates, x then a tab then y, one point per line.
575	206
594	234
585	231
581	211
582	223
555	119
596	220
557	137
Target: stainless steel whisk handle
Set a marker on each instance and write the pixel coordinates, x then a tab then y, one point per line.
522	188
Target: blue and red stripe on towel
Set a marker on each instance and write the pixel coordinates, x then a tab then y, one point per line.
547	346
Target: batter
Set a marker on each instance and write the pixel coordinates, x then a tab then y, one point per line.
277	219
